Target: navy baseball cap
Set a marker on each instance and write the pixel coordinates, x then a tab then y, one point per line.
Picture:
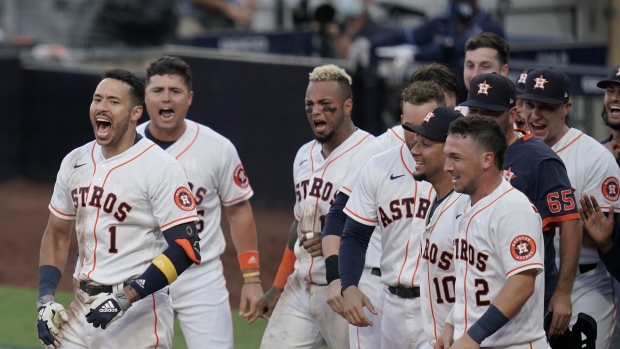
612	78
436	124
492	92
547	85
520	85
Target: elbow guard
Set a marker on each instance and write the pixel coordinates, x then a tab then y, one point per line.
186	236
183	251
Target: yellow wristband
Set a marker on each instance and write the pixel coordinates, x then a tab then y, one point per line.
163	263
251	274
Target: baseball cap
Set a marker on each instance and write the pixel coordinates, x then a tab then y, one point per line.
436	123
547	85
492	92
612	78
520	85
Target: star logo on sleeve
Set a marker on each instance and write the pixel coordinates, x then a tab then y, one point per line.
540	82
483	88
522	248
428	117
508	174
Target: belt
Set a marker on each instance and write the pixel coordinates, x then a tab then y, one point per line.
404	292
372	271
93	290
584	268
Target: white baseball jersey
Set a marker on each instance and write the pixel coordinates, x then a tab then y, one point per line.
500	236
437	267
121	206
592	170
391	138
387	196
317	180
216	177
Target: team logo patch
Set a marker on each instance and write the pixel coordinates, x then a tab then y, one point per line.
184	199
241	179
610	188
522	78
508	174
522	248
428	117
484	88
540	82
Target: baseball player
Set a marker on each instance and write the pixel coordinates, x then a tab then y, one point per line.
497	252
436	265
536	171
302	318
592	170
611	110
135	223
485	53
442	76
611	118
520	87
216	178
370	285
387	196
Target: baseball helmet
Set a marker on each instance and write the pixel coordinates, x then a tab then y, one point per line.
582	335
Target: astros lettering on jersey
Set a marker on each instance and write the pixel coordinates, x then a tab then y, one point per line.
498	237
316	183
120	212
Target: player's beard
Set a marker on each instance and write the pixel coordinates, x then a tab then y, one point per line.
611	125
120	131
419	176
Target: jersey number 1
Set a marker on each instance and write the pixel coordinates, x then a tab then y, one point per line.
112	248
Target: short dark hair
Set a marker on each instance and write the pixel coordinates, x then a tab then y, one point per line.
136	90
439	74
484	131
421	92
173	66
492	41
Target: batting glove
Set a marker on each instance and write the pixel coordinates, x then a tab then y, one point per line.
105	308
51	316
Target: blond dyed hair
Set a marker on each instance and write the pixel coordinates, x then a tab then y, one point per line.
332	72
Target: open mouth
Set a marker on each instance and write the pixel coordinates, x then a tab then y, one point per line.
537	128
320	126
103	126
166	113
419	165
615	110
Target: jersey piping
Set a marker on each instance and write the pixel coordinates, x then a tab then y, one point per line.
467	238
570	143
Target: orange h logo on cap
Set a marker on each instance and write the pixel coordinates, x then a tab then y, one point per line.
540	82
428	117
484	88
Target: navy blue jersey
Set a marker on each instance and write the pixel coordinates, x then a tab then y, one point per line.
539	173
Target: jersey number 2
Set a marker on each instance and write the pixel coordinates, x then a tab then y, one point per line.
482	292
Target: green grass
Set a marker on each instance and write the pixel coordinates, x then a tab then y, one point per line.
18	319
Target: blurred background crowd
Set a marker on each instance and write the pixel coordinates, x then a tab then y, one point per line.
261	45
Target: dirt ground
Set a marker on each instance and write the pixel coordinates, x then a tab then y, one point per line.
25	214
